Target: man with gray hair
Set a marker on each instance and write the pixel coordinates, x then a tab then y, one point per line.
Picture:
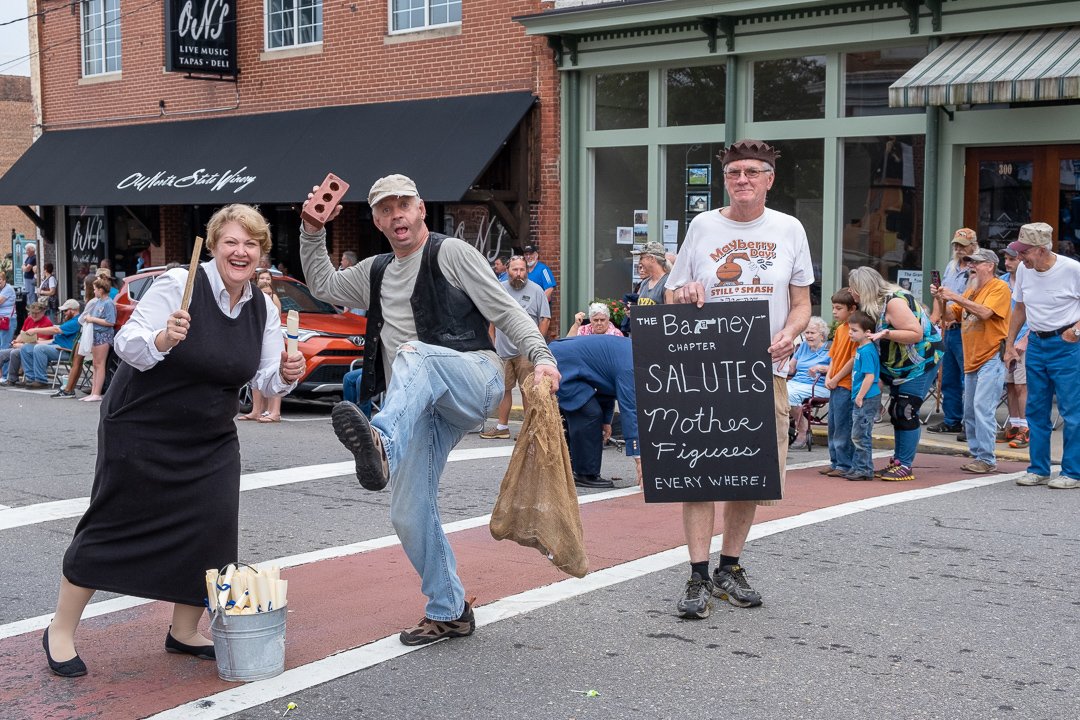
429	303
516	367
707	271
982	312
1047	295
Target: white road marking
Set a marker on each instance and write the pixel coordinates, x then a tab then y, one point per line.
307	676
62	509
106	607
125	602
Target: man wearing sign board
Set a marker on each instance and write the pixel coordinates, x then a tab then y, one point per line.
743	251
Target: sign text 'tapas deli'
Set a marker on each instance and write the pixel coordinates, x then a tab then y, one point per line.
200	36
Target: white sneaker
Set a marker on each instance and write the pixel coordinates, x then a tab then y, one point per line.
1032	479
1063	482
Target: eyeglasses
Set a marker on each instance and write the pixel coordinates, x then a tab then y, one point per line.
751	173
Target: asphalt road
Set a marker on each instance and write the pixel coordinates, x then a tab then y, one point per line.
949	606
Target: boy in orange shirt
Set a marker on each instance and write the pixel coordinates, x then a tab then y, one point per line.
838	381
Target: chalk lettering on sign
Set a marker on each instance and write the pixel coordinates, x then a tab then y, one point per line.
706	409
733	376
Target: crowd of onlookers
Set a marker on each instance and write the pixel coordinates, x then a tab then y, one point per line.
75	331
968	350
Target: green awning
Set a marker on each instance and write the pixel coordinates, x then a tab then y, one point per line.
1023	66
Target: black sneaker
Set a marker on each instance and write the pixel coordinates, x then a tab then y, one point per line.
428	630
729	583
62	393
696	602
943	427
364	442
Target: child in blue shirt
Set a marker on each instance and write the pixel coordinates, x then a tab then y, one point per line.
865	393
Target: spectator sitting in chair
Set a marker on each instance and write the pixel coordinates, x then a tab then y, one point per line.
35	318
804	379
37	357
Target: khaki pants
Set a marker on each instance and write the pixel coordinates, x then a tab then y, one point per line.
783	420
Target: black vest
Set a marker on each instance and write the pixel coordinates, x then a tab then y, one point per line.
444	315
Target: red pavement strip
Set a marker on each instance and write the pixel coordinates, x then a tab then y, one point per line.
370	596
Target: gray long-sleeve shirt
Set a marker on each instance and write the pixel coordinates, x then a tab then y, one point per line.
463	267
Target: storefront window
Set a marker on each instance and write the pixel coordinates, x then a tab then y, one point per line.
695	95
86	243
1069	208
789	89
620	182
868	75
621	101
798	190
882	207
694	184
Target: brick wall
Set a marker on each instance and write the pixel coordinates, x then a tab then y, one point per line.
359	62
16	118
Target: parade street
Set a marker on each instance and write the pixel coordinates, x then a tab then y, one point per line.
953	596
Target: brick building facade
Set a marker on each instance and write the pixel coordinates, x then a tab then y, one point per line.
360	59
16	119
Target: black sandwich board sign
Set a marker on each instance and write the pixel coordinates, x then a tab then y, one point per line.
706	418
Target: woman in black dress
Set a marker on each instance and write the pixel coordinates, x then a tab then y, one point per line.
165	500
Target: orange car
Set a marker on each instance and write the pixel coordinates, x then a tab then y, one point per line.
330	340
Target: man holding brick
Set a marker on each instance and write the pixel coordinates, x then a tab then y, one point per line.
429	303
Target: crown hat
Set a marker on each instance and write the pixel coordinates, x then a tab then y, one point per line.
749	150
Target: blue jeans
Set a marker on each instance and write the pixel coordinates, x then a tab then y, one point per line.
862	431
36	359
840	446
436	396
907	441
1053	368
350	390
7	335
29	292
952	377
10	364
982	393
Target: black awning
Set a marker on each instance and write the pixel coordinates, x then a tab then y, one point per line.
443	144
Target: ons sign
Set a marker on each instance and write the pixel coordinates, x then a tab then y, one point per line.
200	36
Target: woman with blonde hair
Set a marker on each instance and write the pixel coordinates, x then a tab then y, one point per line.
165	500
909	346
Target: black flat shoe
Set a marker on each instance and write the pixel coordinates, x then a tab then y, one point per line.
74	667
203	652
592	481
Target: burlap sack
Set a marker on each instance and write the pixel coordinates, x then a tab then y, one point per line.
537	505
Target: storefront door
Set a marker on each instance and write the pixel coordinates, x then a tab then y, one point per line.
1009	186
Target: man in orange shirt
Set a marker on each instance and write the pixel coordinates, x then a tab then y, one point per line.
838	381
983	312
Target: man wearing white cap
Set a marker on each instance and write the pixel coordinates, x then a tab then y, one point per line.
429	304
982	312
1047	294
36	357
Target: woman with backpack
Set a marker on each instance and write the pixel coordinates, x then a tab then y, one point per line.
910	348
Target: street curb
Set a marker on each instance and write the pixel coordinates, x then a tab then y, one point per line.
934	446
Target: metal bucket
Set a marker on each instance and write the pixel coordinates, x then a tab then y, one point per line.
249	647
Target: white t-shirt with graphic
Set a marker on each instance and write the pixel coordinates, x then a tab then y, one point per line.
1052	297
738	261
